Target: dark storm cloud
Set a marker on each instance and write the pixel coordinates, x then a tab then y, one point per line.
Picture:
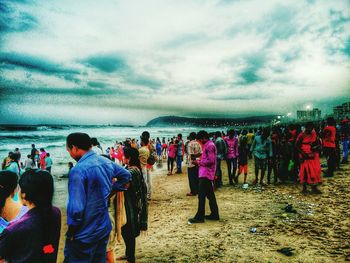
31	63
106	62
116	63
250	74
346	49
14	19
187	39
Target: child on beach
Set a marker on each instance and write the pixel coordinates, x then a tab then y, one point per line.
171	156
48	162
243	154
42	159
28	164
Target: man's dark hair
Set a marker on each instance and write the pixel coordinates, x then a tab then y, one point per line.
231	132
79	140
145	140
331	121
133	155
192	136
202	135
146	134
179	135
94	141
218	134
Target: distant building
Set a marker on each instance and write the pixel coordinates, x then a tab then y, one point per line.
341	111
309	115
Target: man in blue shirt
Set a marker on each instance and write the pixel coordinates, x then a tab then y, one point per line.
89	186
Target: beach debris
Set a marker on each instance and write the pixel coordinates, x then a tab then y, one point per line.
287	251
285	215
289	209
253	230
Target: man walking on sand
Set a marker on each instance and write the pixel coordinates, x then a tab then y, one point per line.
207	167
89	187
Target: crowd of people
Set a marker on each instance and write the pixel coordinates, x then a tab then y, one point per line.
37	159
109	190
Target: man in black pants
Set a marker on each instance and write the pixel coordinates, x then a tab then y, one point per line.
194	152
207	167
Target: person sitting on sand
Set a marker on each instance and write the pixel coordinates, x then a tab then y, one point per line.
35	236
308	147
207	167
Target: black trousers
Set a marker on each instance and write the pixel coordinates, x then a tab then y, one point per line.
130	242
170	164
193	179
331	156
206	190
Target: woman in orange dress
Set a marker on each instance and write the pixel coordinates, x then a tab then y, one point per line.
308	147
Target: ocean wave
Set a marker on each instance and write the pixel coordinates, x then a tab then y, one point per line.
32	137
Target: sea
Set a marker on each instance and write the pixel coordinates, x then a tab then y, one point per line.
53	139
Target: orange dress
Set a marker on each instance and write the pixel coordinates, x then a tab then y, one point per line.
310	167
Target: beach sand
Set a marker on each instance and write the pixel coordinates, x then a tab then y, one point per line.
318	231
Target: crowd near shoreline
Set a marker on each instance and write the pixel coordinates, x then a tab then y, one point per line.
109	189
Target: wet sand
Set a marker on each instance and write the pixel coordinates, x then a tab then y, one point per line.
318	231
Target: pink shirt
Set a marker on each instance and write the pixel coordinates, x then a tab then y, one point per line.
207	165
232	147
171	151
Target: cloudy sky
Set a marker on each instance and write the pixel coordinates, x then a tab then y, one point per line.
118	62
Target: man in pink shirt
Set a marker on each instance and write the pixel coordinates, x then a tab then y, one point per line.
207	168
232	154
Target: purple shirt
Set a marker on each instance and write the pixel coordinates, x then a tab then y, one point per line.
22	240
232	147
207	164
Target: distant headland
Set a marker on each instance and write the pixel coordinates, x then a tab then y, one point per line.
210	122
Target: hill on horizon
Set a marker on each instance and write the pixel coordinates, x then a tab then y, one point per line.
209	122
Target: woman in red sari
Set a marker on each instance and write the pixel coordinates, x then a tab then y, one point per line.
308	147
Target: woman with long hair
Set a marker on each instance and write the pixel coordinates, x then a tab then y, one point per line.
10	210
34	237
135	204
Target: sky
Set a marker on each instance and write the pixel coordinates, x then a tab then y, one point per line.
126	62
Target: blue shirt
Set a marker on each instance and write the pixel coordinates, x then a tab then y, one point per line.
48	161
13	167
261	148
89	186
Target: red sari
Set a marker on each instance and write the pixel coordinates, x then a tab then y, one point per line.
310	167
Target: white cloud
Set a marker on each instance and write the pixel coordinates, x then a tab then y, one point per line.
200	52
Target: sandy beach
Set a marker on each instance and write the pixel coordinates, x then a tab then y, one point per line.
318	231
